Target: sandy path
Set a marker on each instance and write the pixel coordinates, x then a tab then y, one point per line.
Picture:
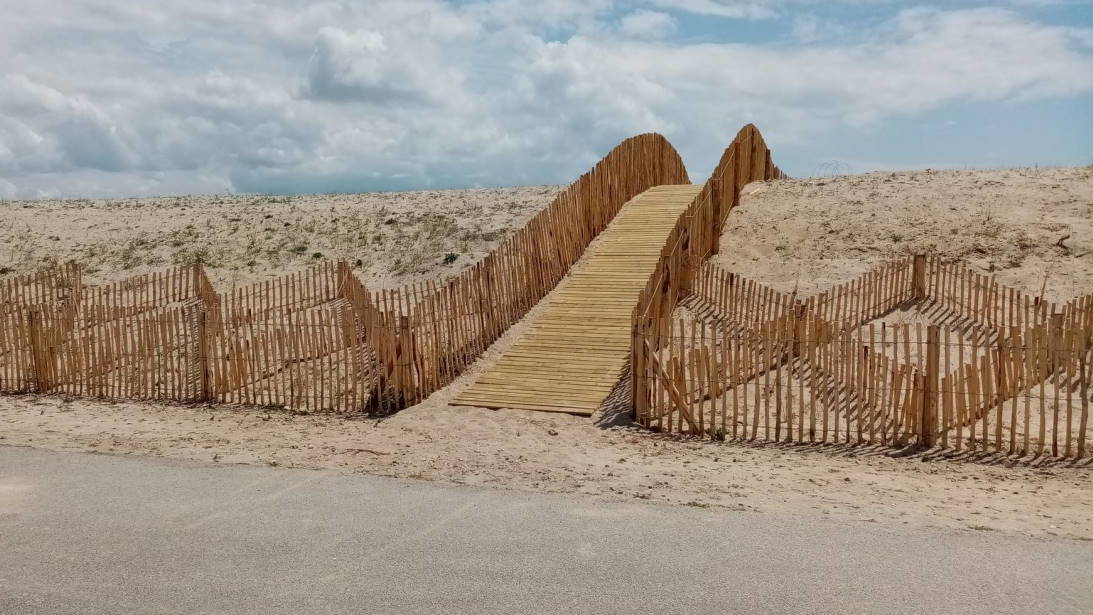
560	453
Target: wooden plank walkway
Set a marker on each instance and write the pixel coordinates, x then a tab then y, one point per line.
573	354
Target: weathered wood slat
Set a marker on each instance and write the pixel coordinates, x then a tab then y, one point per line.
571	357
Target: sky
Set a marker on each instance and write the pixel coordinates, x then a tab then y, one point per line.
100	98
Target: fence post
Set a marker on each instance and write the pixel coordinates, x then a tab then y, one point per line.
1083	387
918	277
928	428
201	333
403	358
196	274
1056	334
715	198
799	329
634	367
342	280
34	339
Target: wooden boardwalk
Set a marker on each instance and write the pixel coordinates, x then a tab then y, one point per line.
573	354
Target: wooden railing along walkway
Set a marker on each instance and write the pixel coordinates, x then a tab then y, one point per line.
319	340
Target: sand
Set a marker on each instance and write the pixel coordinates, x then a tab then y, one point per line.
605	457
389	238
1023	225
520	450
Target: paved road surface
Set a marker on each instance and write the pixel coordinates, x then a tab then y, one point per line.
97	534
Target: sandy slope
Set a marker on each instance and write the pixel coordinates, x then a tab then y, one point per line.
390	238
550	452
561	453
812	233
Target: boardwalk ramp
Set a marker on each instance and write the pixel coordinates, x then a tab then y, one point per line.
573	354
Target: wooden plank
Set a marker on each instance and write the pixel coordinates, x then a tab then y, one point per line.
508	398
579	345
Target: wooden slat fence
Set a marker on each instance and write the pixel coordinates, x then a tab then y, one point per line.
289	342
791	380
434	331
981	300
47	287
1023	391
878	291
695	237
119	340
725	296
820	366
314	340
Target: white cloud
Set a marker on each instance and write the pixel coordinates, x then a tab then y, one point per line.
720	8
769	9
101	98
647	24
25	97
553	14
809	28
358	66
44	128
921	59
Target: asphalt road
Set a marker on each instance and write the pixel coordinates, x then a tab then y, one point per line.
97	534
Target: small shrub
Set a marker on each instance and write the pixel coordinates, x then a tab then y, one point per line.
450	258
192	256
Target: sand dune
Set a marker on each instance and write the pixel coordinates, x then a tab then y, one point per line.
390	238
1033	228
1023	224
